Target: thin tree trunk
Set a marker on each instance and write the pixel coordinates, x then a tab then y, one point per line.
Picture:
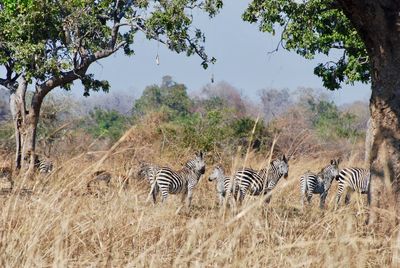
18	111
25	124
30	126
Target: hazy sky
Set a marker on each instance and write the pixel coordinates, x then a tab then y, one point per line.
242	60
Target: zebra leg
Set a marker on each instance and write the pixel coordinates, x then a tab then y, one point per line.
154	193
309	196
242	194
339	195
164	194
322	200
221	199
369	197
347	198
268	198
189	197
303	197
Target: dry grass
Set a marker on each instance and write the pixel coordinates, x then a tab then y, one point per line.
60	224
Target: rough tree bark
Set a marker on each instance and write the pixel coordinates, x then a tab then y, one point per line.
378	23
25	124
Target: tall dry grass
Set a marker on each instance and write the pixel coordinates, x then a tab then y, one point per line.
58	223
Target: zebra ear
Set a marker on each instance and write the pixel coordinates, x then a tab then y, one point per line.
200	154
284	159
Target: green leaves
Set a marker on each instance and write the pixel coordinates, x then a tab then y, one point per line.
315	27
169	96
107	124
48	39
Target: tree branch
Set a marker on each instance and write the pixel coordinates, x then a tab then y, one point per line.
76	73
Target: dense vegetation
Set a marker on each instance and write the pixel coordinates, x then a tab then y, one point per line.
217	118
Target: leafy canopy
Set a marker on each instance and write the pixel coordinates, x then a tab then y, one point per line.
311	27
47	39
169	96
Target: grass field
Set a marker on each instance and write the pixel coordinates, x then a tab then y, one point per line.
54	221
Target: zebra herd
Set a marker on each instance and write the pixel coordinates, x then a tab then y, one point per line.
247	181
244	181
42	164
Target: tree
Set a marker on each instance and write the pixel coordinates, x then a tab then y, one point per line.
107	124
274	102
170	95
366	32
50	44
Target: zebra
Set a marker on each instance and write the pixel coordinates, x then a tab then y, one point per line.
98	177
168	181
43	164
353	179
224	184
148	171
311	183
261	182
101	175
6	173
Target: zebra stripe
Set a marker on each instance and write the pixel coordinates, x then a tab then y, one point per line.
311	183
168	181
354	180
148	171
224	183
6	173
261	182
44	165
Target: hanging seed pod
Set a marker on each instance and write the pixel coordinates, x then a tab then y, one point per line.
158	59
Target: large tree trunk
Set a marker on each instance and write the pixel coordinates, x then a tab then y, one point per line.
385	114
378	23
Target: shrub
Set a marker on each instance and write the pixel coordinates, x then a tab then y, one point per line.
107	124
329	122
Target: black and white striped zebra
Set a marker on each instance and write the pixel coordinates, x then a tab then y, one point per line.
43	164
261	182
168	181
353	180
6	173
224	184
148	171
311	183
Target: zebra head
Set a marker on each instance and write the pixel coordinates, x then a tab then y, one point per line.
281	165
330	172
217	173
197	164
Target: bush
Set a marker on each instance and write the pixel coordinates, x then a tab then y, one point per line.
107	124
329	122
169	96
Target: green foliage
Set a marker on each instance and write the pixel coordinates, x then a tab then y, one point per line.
107	124
170	97
203	124
313	27
52	39
329	122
